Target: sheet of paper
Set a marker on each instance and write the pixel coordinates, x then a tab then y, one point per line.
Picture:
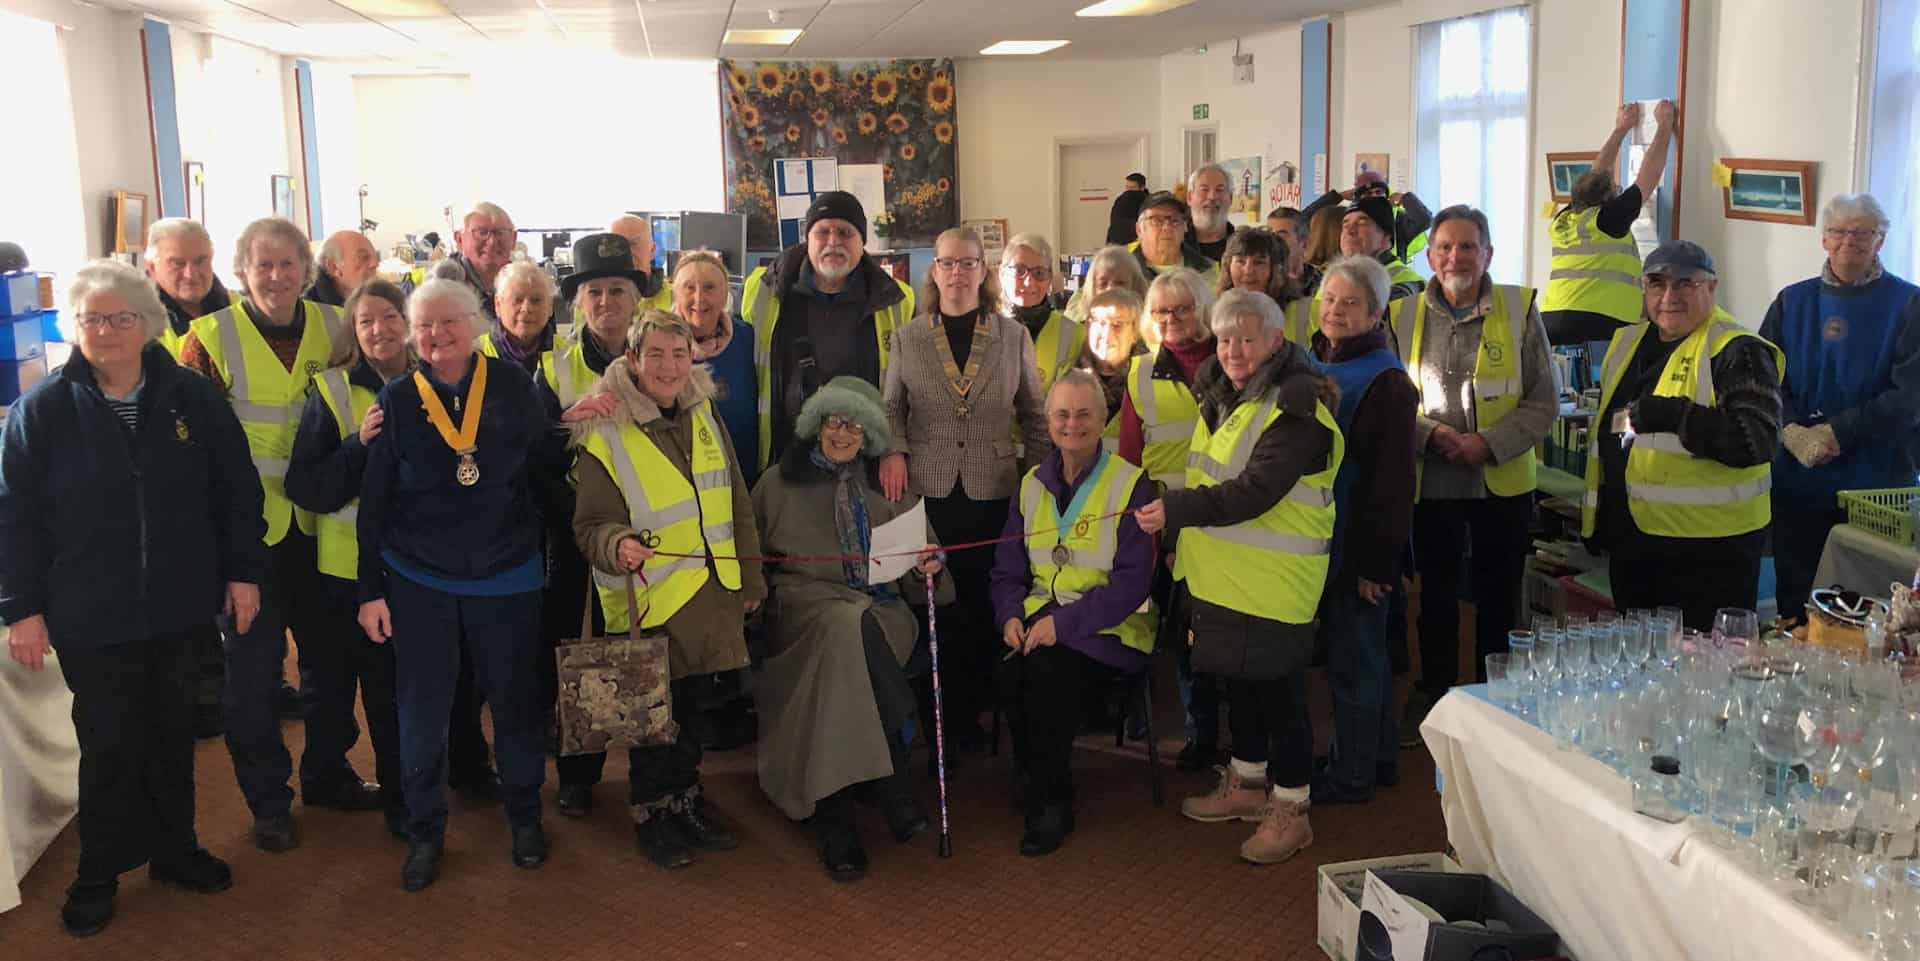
908	532
1406	926
1643	134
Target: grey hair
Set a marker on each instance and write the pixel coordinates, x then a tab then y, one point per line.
1849	206
1029	241
689	258
1078	377
523	271
1364	273
173	228
1208	168
662	321
1116	257
1236	304
440	288
1186	280
113	277
273	228
487	209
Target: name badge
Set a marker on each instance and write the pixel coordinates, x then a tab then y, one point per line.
1620	422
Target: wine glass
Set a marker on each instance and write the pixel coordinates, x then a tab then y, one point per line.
1775	724
1735	627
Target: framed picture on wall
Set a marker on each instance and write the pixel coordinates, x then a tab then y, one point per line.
283	197
197	191
1774	191
1564	170
129	222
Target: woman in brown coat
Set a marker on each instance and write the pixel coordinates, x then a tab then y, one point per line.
678	490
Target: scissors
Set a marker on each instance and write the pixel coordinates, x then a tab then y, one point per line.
648	538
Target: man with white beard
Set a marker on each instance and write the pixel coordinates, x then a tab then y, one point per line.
1210	199
823	309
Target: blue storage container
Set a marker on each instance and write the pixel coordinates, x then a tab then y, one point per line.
19	293
50	326
19	376
20	338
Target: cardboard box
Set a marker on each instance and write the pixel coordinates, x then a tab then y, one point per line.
1340	885
1480	913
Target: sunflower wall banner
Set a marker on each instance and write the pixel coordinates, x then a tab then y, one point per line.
896	113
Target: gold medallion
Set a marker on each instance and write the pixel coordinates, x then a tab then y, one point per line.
468	472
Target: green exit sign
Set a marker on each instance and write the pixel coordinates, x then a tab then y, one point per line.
1199	111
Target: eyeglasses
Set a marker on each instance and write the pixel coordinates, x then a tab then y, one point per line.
1162	313
493	233
849	425
1855	234
1030	273
120	320
958	263
1660	285
1164	222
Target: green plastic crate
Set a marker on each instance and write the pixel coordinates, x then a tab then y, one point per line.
1883	513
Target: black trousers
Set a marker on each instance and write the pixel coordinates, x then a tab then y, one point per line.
133	707
292	597
1045	691
969	640
1698	580
1494	531
1799	535
211	684
655	772
343	647
1268	720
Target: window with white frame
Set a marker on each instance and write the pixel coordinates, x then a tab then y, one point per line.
1893	170
1470	124
41	209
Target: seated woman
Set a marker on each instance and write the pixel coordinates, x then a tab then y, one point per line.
1070	597
833	694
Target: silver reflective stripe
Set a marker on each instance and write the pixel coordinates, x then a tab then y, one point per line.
1309	495
334	384
639	512
1585	273
1586	244
1174	481
1700	496
1268	540
274	467
1668	443
668	567
260	413
708	480
1143	401
228	323
1595	249
762	339
718	533
1497	387
1703	393
564	387
1249	436
1152	433
1592	499
348	515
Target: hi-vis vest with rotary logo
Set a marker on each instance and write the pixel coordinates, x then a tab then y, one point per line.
267	397
337	533
1168	414
1670	492
688	516
1275	565
763	312
1089	547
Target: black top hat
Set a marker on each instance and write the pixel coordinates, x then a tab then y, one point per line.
601	255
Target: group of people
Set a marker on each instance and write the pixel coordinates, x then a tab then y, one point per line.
1236	443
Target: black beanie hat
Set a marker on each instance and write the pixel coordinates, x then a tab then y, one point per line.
1379	210
837	205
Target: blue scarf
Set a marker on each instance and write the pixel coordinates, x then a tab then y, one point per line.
849	517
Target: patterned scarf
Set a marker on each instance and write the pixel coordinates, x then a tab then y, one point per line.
849	517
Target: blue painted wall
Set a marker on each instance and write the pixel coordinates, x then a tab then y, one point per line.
1316	55
310	145
1650	70
157	39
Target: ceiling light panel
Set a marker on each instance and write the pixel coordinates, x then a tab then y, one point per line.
1022	48
1130	8
768	38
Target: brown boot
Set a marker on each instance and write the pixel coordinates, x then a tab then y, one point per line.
1283	833
1233	799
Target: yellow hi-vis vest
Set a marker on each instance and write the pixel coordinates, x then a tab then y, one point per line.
1303	318
1275	565
267	397
1399	273
1168	414
1670	492
689	516
337	533
1058	347
763	312
567	374
1592	271
1497	383
1092	545
172	341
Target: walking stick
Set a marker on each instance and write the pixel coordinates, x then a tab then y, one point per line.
939	726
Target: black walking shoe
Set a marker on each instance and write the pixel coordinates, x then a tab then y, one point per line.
89	908
905	817
841	854
348	795
693	821
529	845
574	800
200	872
660	842
1047	828
422	867
1195	756
276	834
286	703
482	785
1327	791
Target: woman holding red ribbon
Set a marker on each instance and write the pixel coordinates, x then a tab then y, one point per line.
450	556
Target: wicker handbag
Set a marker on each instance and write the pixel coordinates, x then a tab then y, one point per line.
614	691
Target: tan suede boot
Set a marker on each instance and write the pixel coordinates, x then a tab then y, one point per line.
1234	799
1283	833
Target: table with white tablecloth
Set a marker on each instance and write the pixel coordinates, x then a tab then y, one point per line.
1861	561
39	768
1558	829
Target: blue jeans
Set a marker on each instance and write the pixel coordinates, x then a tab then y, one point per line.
1360	675
501	634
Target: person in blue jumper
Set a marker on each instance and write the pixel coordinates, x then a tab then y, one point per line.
1852	393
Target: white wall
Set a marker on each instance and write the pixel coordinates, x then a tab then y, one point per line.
1743	102
110	126
1373	57
1576	88
1258	119
238	118
337	128
1011	110
416	168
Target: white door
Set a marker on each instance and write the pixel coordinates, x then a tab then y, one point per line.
1091	176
